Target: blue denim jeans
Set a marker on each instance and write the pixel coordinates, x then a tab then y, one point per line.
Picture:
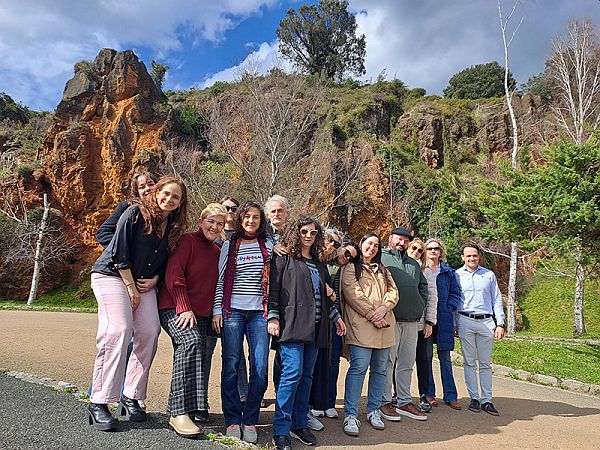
448	384
360	360
291	404
334	369
253	325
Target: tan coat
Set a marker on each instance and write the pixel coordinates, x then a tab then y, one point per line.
359	299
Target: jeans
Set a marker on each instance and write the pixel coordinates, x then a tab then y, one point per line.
360	360
448	384
253	325
243	375
291	404
334	369
424	355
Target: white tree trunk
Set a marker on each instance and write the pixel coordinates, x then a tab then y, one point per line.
35	280
508	94
578	322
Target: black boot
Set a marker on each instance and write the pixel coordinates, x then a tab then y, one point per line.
132	409
100	417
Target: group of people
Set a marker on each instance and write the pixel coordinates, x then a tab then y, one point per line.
306	291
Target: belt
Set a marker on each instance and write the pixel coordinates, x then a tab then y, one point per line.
475	316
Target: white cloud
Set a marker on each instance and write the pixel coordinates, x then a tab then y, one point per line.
259	61
41	40
424	43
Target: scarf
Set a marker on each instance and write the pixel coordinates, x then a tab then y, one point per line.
229	275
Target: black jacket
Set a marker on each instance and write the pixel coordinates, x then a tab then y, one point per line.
292	300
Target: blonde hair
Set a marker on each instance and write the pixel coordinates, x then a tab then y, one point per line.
418	242
213	209
442	248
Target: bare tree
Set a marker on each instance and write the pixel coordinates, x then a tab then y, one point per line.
575	65
508	94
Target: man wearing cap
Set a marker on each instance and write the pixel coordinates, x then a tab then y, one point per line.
480	319
412	287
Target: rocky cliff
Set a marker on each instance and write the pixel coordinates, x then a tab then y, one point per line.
105	129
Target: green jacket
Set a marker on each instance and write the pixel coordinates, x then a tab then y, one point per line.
411	284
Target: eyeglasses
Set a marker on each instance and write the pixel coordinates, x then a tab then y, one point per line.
432	249
414	248
305	232
336	244
230	208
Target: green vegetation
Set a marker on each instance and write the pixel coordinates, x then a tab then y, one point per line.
157	73
566	361
547	308
480	81
11	110
65	297
321	39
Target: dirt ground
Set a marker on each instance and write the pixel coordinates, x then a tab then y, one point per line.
62	346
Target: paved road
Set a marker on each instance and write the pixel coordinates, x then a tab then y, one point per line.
61	346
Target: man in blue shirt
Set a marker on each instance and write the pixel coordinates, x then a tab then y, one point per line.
480	319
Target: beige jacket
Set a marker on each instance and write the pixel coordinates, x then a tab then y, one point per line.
359	299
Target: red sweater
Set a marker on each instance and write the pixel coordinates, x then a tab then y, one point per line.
191	277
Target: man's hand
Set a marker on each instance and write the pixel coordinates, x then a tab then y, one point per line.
280	249
340	327
499	333
187	318
273	327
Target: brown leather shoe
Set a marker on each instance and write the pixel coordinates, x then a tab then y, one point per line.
410	410
432	401
388	412
454	405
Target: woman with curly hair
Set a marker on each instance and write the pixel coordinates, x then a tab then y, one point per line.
240	309
146	233
300	310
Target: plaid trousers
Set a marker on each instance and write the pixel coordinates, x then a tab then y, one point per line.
188	387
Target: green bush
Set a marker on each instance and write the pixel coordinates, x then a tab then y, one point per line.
480	81
192	122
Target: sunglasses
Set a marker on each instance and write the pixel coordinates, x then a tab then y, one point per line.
431	249
231	208
336	244
305	232
414	248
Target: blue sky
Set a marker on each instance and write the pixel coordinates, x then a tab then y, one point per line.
422	42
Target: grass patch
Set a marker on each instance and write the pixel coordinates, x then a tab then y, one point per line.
562	360
67	296
547	308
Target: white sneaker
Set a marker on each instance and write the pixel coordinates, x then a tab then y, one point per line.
374	418
317	412
331	413
314	423
351	426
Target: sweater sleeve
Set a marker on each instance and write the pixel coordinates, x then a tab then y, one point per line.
107	230
175	281
353	293
392	295
217	306
432	299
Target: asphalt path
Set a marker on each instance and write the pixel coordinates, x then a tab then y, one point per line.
61	346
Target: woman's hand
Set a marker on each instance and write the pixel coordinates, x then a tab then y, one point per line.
217	323
380	323
280	249
134	296
340	327
379	314
146	285
273	327
187	318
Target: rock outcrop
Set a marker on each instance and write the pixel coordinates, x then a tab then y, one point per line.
105	130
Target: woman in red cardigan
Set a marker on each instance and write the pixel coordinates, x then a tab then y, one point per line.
185	309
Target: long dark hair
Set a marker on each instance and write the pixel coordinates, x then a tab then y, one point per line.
153	216
291	237
358	263
239	231
133	188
